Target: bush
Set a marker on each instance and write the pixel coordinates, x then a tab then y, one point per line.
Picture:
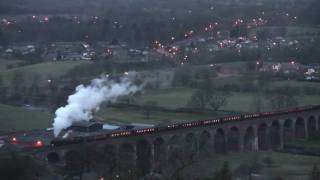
268	161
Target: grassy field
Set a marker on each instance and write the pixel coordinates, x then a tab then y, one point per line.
272	84
243	102
45	70
18	118
156	117
287	166
295	84
238	102
290	166
170	97
310	143
4	63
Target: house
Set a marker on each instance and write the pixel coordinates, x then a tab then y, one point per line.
287	67
310	71
290	67
135	52
8	52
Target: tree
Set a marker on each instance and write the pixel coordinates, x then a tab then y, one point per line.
3	93
251	65
114	42
277	178
256	103
1	82
176	172
268	161
3	39
224	173
315	173
127	100
17	78
312	13
263	34
34	92
205	81
238	31
218	100
59	55
264	79
19	167
198	100
148	106
182	76
279	101
137	35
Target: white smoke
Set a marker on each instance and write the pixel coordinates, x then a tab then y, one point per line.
87	99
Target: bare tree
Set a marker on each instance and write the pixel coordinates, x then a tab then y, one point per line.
315	173
148	106
198	100
256	102
283	101
218	100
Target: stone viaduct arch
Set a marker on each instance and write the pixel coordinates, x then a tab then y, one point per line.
220	141
274	135
156	152
312	126
288	130
263	141
300	128
204	141
249	139
233	141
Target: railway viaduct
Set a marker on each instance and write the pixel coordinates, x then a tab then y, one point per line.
154	152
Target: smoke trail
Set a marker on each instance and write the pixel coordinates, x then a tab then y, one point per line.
87	99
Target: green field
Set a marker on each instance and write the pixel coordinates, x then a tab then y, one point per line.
45	70
238	102
290	166
295	84
310	143
243	102
156	117
4	63
170	97
17	118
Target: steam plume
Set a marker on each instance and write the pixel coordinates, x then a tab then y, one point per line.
87	99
